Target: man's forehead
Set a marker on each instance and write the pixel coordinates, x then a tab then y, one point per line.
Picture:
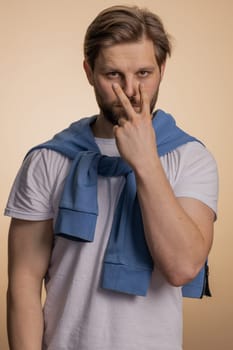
141	52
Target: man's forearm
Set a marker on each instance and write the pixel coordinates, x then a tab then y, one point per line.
24	320
30	244
178	244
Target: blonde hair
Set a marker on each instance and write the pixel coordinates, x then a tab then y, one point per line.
121	24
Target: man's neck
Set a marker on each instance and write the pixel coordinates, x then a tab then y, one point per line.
102	128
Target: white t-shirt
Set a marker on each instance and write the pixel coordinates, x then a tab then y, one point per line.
78	313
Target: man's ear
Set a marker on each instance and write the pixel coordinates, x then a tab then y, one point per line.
89	71
162	69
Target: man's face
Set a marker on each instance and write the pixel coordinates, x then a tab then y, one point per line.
127	64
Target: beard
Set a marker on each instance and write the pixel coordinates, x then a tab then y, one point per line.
112	112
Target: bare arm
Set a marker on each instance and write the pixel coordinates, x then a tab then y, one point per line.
30	245
179	232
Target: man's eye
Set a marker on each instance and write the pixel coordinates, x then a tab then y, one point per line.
143	73
112	75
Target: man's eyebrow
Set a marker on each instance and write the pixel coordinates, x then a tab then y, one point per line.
109	68
146	68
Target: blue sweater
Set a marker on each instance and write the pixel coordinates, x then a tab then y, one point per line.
127	265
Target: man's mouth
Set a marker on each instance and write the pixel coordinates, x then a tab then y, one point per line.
135	106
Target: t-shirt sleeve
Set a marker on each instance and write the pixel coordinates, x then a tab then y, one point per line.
32	193
197	175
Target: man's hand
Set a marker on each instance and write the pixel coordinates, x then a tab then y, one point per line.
135	136
179	232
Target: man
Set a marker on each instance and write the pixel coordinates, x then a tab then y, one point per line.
128	181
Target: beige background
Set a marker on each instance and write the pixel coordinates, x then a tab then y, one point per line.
43	89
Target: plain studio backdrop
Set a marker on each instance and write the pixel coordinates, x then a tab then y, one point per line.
43	89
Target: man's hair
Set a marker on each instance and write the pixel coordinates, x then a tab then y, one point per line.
124	24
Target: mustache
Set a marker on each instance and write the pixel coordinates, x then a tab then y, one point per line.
133	104
134	101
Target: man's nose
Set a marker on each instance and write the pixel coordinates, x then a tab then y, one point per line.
130	87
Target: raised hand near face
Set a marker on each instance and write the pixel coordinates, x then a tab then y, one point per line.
135	136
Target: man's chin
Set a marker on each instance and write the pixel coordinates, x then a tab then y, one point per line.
114	115
111	118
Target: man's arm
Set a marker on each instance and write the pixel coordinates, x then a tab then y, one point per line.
30	244
179	232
